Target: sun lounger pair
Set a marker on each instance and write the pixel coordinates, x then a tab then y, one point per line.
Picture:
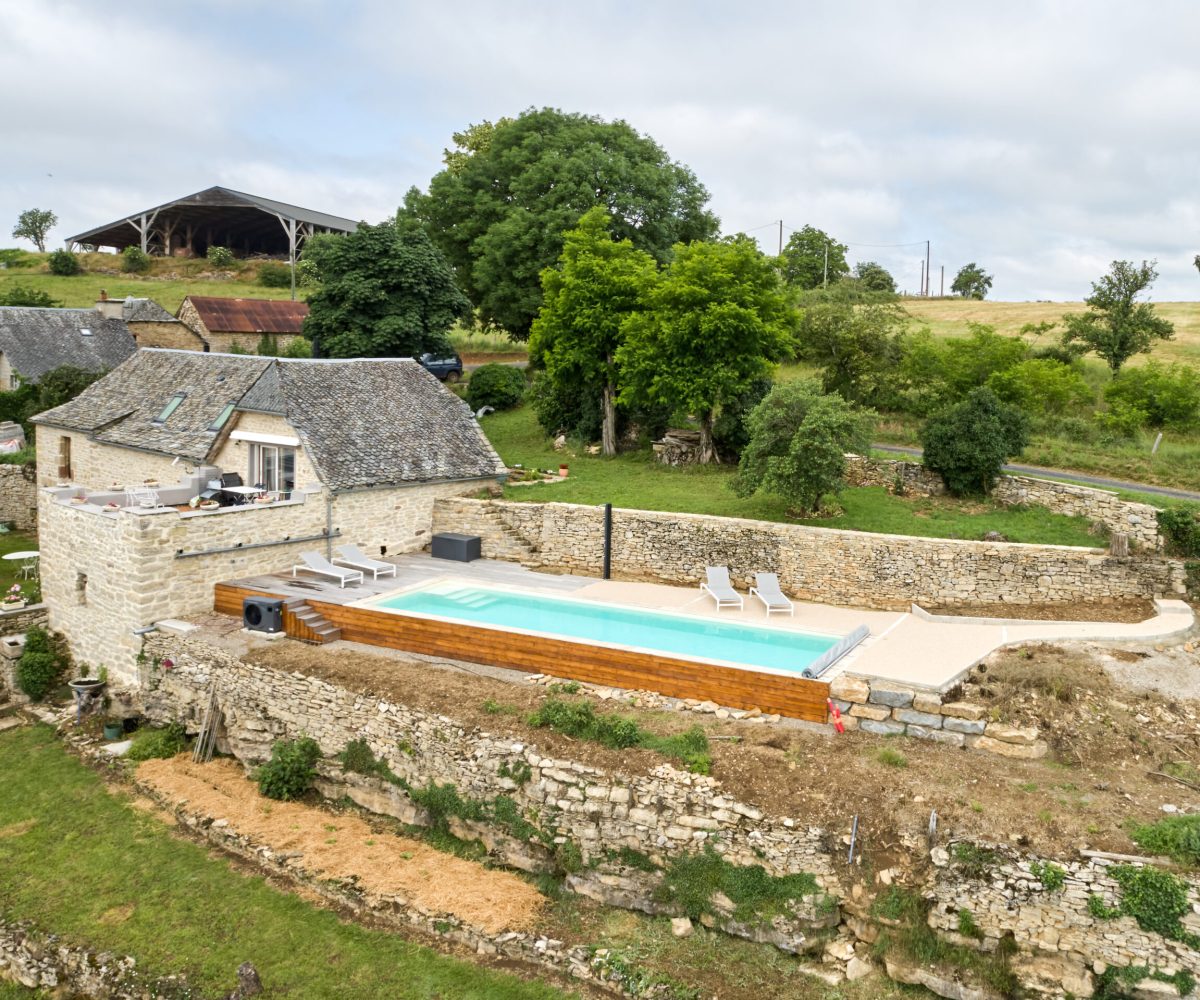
766	589
348	556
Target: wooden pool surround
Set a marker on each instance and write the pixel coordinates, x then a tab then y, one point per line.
795	697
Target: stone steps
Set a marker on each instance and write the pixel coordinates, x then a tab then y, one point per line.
313	621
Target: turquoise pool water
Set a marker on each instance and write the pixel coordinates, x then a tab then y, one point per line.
678	635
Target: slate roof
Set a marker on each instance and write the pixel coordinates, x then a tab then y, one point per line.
227	315
36	341
145	311
363	422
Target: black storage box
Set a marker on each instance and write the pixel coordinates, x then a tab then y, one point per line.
450	545
262	614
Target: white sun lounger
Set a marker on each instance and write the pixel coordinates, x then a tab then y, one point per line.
720	589
314	562
766	589
350	555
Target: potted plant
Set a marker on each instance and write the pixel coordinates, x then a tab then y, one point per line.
13	599
209	505
562	471
85	684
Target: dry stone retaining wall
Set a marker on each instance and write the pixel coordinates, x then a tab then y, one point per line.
1137	520
18	499
814	564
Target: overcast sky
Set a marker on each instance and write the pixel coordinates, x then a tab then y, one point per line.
1042	140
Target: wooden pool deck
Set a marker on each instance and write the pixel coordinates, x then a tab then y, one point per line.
318	610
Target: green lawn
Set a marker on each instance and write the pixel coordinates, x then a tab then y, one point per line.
10	569
82	863
635	480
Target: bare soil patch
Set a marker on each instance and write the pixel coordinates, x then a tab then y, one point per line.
1084	795
1133	610
345	846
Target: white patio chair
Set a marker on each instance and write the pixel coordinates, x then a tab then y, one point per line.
350	555
720	589
766	589
314	562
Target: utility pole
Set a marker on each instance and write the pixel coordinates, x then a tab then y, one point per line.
921	283
781	237
942	285
927	269
825	280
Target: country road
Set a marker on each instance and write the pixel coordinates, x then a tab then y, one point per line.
1074	477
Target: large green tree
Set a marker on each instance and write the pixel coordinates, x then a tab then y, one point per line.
387	292
715	321
874	277
510	191
799	438
857	346
33	224
586	298
1117	326
971	282
968	443
812	258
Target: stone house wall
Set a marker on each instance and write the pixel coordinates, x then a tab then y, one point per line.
100	466
814	564
223	341
105	574
234	456
18	499
1138	520
177	336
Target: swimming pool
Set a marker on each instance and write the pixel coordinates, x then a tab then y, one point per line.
776	649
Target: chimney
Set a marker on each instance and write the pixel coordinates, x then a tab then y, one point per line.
109	308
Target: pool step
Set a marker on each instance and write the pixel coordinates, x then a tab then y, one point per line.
313	621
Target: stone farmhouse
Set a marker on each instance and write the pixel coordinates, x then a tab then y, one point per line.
36	341
222	324
343	451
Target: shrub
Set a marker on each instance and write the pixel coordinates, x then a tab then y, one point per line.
64	263
307	273
1122	421
968	444
1053	877
41	664
1180	527
290	771
272	274
498	386
220	256
164	743
135	260
23	295
16	257
1041	386
1168	395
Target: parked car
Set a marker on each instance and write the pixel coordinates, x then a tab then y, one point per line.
447	367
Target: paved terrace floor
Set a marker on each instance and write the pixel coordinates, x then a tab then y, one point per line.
908	647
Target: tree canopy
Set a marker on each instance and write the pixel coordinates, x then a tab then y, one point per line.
802	262
971	282
874	277
859	347
586	299
798	444
386	292
511	190
715	320
968	444
33	224
24	295
1117	326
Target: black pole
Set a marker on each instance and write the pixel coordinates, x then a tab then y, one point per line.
607	541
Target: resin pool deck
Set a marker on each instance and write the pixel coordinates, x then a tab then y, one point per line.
911	648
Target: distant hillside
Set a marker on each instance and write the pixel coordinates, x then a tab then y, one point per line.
167	281
949	317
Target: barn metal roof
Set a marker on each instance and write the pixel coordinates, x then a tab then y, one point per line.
224	315
229	212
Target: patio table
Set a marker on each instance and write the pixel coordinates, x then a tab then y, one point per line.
28	561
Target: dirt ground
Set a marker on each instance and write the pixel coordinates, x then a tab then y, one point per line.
345	846
1107	741
1132	610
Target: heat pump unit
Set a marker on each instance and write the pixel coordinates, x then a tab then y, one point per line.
262	614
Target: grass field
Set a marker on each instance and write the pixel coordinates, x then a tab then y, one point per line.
949	318
635	480
83	864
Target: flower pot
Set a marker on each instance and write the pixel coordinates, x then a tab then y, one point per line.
114	730
11	605
210	505
85	685
562	471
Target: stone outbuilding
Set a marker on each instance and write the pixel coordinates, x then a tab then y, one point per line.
338	451
35	341
226	324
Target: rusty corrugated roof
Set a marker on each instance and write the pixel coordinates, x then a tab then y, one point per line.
249	315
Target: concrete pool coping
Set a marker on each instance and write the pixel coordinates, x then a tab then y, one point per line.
913	647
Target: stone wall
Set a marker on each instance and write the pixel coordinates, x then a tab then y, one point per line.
177	336
100	466
234	455
1137	520
814	564
888	709
18	499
